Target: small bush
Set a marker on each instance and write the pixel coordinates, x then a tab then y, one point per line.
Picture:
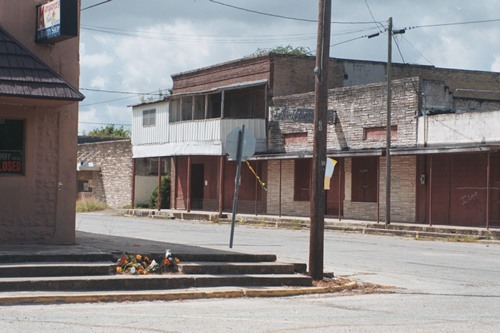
165	194
89	205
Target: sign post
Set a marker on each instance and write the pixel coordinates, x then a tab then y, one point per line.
240	145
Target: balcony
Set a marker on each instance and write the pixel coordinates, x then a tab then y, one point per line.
207	136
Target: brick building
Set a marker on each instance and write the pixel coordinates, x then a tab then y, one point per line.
38	121
105	172
443	123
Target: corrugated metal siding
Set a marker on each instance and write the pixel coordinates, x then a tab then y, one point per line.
214	129
154	134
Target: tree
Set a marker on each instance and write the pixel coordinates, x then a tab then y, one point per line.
110	131
297	51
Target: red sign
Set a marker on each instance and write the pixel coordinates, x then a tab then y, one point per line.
11	161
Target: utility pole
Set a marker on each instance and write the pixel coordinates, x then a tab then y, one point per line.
388	141
317	198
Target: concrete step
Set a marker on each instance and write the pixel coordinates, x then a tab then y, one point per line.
419	234
35	269
150	282
53	257
235	268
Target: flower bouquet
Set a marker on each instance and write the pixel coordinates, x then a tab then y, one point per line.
139	264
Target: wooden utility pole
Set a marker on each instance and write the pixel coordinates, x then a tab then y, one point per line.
388	129
317	198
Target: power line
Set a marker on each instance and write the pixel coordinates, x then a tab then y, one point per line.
280	16
121	92
451	24
92	123
97	4
201	38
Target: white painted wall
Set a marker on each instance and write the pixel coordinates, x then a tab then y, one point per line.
459	128
153	134
144	186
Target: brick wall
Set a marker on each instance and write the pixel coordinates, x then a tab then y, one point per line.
356	108
113	184
288	205
403	192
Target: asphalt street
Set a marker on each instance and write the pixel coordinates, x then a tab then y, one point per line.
438	286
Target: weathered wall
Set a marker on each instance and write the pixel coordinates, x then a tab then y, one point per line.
357	108
115	160
289	207
39	206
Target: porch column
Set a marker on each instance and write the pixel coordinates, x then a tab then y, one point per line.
279	196
221	185
488	169
378	190
132	203
340	188
256	185
159	184
188	186
175	180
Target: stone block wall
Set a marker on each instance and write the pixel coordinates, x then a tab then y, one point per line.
115	160
403	192
288	205
352	111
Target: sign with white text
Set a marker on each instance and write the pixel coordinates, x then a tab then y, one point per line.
56	20
11	161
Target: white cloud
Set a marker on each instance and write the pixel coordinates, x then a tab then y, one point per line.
99	82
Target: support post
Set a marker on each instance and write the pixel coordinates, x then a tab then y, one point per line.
430	191
488	169
159	183
388	129
221	184
132	199
279	195
241	135
317	198
188	186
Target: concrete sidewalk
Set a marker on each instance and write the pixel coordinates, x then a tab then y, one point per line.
414	230
92	247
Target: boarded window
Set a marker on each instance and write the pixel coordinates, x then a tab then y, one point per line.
149	118
11	146
379	133
295	138
364	179
302	177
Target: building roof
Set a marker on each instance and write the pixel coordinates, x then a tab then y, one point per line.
24	75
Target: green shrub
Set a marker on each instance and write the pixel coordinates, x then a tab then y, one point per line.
165	194
90	205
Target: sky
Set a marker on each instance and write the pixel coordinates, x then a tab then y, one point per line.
129	48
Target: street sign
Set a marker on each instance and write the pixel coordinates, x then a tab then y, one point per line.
231	144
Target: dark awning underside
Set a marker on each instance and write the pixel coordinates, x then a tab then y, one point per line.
24	75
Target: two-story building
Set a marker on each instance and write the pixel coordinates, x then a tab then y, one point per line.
39	98
272	96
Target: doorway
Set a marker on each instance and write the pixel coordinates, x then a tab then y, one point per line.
197	185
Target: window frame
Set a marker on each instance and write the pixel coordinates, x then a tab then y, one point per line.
149	118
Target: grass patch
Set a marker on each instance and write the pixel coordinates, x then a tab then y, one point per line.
90	205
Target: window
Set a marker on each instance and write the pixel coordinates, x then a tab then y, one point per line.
187	108
302	176
364	179
11	146
149	118
175	110
199	107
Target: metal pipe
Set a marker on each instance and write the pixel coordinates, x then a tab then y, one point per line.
188	186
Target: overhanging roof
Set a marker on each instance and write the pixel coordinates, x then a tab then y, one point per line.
24	75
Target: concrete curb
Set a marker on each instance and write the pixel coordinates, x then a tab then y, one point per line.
169	295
